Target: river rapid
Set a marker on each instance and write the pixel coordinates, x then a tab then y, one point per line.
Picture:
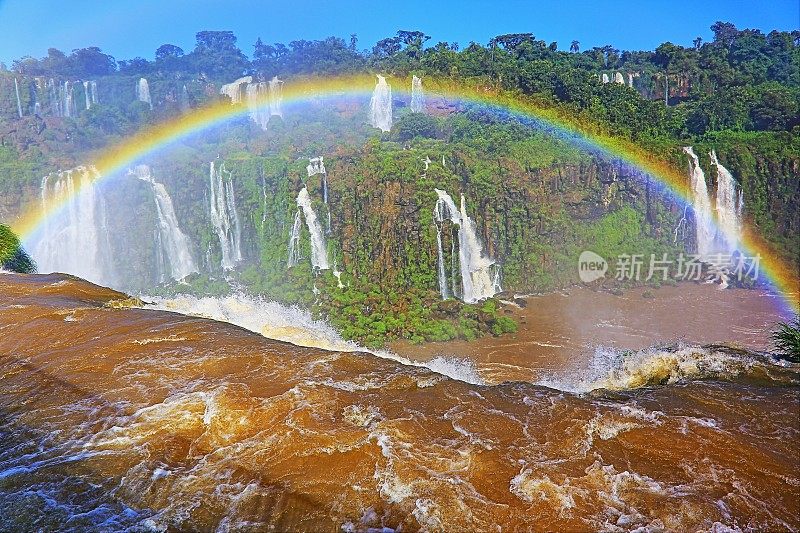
114	417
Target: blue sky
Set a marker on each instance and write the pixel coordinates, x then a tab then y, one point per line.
127	28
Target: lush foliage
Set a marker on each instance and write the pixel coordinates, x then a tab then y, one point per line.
787	339
12	256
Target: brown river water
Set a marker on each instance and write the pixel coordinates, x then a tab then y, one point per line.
116	418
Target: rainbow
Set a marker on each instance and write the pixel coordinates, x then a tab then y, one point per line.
554	120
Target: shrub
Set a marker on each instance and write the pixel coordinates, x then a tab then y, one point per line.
786	340
12	256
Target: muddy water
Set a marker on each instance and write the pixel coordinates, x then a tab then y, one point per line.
565	333
140	419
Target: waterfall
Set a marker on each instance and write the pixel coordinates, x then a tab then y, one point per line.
740	207
173	244
54	98
143	92
33	90
224	216
86	96
380	106
90	93
19	102
74	238
234	90
316	165
701	204
67	100
184	99
727	208
275	97
262	99
294	240
437	217
319	253
476	268
417	96
256	98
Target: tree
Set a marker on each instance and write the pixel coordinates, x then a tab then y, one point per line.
137	66
165	52
416	125
217	55
92	62
386	47
512	41
575	47
725	33
697	43
775	107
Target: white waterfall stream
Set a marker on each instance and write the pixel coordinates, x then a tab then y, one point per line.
477	279
380	106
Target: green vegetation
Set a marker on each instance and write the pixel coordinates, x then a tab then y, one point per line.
12	256
787	339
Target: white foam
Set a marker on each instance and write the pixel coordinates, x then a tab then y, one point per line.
615	369
295	325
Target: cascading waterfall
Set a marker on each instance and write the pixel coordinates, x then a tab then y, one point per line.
294	240
224	216
380	106
33	90
728	209
173	244
319	252
54	98
19	102
67	100
417	96
90	93
276	97
262	99
235	90
477	281
74	240
143	92
316	165
740	207
256	97
86	95
438	217
184	99
701	205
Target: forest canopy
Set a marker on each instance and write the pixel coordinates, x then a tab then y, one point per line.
743	80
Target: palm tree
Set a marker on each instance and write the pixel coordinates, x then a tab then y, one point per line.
697	42
575	46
